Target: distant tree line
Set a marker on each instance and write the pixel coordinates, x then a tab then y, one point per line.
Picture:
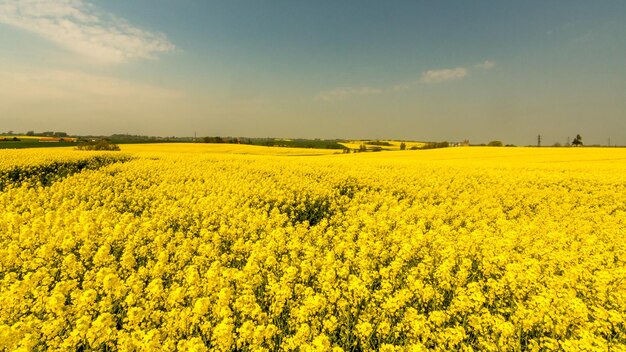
275	142
220	140
379	143
577	142
434	145
47	134
37	134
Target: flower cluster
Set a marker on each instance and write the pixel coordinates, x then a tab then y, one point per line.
191	249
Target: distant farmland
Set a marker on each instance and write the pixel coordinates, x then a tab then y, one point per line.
20	142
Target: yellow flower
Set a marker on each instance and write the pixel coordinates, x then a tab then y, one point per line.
222	247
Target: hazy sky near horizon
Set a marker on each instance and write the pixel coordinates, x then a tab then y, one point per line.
417	70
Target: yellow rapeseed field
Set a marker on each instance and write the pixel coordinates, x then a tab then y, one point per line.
384	144
207	247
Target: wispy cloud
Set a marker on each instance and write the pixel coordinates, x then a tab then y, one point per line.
84	29
447	74
400	87
30	84
486	65
347	92
430	76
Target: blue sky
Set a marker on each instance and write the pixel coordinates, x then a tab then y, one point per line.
445	70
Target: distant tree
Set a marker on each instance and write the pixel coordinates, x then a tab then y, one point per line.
495	144
362	148
578	141
30	133
402	146
557	144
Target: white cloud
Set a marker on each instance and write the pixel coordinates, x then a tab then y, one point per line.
487	65
448	74
347	92
84	29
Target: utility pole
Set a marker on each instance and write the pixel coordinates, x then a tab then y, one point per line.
567	141
538	140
